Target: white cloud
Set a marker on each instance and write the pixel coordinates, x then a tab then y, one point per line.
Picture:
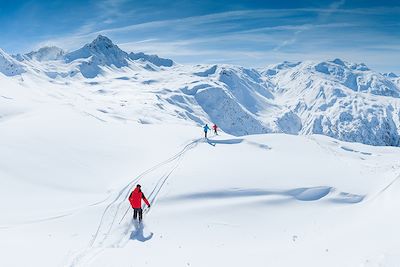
223	37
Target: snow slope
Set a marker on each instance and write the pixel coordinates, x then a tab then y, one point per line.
72	148
79	130
9	66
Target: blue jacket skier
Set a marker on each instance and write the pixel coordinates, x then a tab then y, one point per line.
206	128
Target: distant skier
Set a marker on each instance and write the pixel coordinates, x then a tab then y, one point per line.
135	199
206	129
215	128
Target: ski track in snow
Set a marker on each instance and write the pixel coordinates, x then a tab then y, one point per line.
105	228
380	192
54	217
114	232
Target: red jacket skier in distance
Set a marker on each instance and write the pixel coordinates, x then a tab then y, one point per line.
136	198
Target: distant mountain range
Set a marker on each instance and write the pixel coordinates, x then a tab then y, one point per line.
343	100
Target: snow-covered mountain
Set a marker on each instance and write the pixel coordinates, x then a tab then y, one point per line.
102	52
45	54
346	101
89	61
390	75
343	100
154	59
73	148
393	77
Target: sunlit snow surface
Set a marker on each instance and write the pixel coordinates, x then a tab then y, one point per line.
273	199
72	148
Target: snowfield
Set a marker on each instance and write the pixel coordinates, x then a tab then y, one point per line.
73	147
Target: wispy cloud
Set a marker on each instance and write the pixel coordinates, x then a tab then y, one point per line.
323	16
223	24
249	37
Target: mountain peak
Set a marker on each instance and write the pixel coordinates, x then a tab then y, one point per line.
390	75
102	41
352	66
338	61
100	52
101	47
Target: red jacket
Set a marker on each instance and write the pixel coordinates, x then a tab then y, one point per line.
215	127
136	199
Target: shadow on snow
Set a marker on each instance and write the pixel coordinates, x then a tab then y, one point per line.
302	194
225	142
137	233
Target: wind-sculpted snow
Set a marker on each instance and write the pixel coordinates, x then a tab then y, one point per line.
347	101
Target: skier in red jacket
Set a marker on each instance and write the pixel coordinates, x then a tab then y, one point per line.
215	128
135	199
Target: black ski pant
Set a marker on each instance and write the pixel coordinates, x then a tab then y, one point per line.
135	214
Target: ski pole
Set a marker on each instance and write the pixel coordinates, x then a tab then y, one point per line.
124	215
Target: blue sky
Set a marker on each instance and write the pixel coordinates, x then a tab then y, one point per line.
249	33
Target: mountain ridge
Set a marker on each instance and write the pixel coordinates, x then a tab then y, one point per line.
344	100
